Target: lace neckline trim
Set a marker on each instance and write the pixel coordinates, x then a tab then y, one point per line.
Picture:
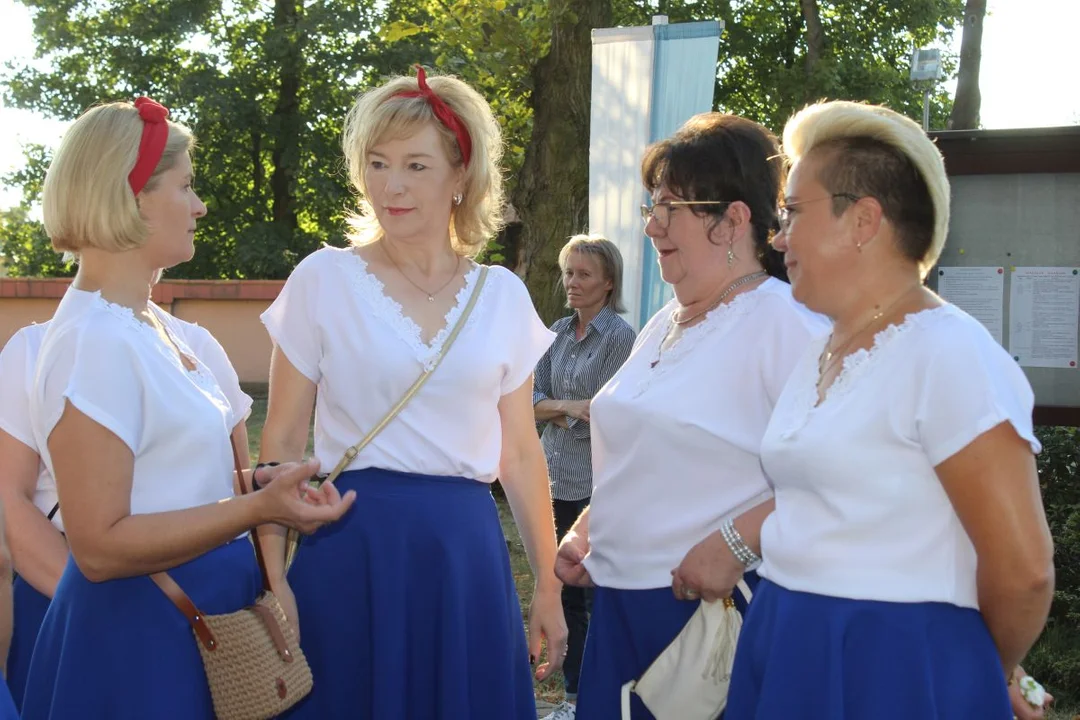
373	291
854	366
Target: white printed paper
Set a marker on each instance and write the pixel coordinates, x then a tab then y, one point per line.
1044	311
978	291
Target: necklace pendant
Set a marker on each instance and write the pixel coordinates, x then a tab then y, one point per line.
430	298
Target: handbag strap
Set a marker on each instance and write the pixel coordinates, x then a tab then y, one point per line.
184	603
351	453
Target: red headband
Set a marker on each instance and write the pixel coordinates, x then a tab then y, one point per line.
442	111
155	134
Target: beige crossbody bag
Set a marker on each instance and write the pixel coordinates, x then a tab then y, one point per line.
292	542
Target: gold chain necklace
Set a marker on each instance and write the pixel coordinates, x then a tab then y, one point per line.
430	295
713	305
829	358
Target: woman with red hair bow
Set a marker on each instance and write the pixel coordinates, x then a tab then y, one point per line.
408	609
135	429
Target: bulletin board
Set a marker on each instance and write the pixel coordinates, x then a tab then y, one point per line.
1012	258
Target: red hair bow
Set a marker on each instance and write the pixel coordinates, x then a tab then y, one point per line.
155	135
442	111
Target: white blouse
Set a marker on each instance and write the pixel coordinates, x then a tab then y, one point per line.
860	512
338	328
117	371
676	446
19	359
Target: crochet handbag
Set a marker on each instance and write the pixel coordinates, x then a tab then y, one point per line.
252	657
690	679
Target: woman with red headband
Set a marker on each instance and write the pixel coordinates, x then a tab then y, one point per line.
407	608
39	550
135	429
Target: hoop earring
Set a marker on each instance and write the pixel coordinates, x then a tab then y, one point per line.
458	197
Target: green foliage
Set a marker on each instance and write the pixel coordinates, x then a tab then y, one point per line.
25	248
762	72
269	159
1055	659
265	86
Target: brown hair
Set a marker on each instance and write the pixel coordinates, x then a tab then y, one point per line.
715	156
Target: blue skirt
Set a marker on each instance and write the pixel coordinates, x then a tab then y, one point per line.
627	631
120	650
408	608
30	607
803	657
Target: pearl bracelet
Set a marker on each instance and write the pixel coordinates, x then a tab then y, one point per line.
742	552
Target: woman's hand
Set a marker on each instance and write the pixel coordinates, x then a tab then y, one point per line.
288	500
578	409
709	571
1022	709
569	561
546	621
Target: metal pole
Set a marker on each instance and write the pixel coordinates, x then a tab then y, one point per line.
926	109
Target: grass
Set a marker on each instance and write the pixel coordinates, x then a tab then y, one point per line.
551	689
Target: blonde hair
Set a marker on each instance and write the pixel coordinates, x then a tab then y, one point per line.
381	114
874	151
87	201
610	259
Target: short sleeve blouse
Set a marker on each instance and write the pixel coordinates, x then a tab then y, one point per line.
118	372
676	442
337	327
860	511
17	362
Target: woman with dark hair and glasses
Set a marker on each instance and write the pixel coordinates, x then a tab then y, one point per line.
678	492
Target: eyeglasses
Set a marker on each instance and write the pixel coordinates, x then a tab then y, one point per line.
661	212
783	213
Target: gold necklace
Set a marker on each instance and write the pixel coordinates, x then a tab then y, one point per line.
713	305
430	295
829	358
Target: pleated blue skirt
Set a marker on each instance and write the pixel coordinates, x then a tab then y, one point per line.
407	606
120	650
30	607
805	657
627	631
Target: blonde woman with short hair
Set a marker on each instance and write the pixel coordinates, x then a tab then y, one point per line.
408	608
908	561
135	429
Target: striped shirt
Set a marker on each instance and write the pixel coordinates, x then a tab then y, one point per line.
575	369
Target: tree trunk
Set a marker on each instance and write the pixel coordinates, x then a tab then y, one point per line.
285	123
815	44
552	193
815	34
257	206
965	110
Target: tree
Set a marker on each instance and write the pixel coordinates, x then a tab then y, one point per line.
965	110
552	193
264	87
